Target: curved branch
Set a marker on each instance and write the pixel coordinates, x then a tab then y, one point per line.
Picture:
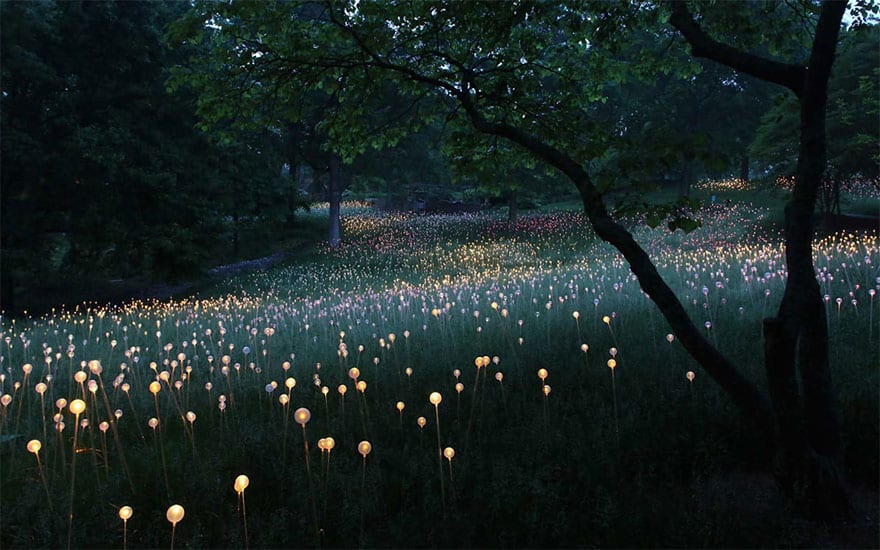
744	393
702	45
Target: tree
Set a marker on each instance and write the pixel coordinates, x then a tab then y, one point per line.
796	339
674	130
104	174
532	74
527	73
852	131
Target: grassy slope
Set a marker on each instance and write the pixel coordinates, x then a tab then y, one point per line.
529	470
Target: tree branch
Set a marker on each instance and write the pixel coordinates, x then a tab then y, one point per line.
744	393
702	45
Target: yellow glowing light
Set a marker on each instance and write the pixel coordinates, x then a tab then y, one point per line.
302	416
364	448
241	483
125	513
435	398
175	513
77	406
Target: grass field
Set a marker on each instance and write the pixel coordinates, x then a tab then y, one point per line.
513	327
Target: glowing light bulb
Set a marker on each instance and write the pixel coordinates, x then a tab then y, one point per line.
364	448
611	364
125	513
77	406
34	446
175	513
302	416
241	483
449	452
542	374
435	398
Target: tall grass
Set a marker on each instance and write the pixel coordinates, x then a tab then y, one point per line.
657	460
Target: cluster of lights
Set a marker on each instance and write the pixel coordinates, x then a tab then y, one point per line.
344	324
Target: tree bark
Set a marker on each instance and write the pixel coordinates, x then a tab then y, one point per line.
512	209
744	168
802	310
334	196
684	180
799	333
750	401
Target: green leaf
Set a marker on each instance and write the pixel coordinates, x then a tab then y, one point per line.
685	224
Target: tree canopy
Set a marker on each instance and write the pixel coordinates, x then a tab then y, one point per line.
104	174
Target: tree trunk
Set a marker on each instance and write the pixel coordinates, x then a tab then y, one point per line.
802	310
512	209
334	196
684	182
235	231
799	333
744	168
750	401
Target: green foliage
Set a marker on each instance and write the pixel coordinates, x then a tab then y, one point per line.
518	71
104	174
853	108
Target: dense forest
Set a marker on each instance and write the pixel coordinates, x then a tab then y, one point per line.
114	168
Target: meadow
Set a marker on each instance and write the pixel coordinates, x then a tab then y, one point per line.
444	381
